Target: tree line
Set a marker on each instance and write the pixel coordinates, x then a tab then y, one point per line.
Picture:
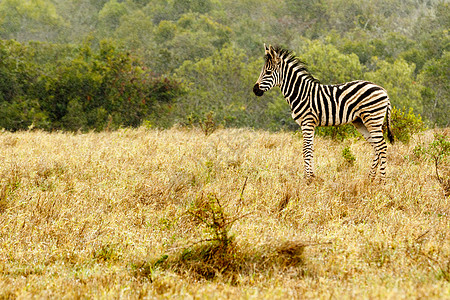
96	65
63	87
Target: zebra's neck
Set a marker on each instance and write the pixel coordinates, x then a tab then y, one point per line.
297	84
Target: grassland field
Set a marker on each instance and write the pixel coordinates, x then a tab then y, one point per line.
175	214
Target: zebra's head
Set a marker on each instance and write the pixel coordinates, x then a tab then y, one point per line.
270	73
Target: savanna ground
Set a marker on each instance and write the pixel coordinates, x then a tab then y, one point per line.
177	214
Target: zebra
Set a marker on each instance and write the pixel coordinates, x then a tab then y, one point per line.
362	103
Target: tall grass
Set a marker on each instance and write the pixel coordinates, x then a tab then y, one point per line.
133	214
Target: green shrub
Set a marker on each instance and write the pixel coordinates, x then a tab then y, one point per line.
405	124
438	152
348	155
207	122
339	133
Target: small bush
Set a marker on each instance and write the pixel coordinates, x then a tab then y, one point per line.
206	122
339	133
437	152
210	214
348	155
216	253
405	124
107	253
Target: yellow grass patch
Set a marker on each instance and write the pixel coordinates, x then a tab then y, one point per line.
106	215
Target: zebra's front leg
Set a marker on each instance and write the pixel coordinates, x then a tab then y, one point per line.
308	150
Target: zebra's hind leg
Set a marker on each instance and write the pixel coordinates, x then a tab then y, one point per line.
379	161
376	139
382	148
308	148
359	125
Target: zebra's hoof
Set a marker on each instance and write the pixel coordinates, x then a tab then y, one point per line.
310	178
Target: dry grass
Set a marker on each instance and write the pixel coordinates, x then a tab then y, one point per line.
105	215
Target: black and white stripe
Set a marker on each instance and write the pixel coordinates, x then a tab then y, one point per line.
361	103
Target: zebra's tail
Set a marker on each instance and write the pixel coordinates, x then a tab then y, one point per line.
388	124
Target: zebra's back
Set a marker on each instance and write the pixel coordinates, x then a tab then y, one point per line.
343	103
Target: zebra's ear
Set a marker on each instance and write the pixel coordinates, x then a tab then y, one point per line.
273	54
266	49
271	51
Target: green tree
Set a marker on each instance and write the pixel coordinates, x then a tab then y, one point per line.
29	20
435	76
191	38
222	83
136	32
18	105
432	30
184	6
329	65
81	17
110	15
308	17
399	81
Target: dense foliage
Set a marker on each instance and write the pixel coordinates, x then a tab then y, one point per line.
76	88
89	64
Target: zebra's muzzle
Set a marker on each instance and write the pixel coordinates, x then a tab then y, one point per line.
258	92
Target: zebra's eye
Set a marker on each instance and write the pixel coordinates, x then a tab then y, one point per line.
269	72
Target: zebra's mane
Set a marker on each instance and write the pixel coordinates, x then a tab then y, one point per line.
290	58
